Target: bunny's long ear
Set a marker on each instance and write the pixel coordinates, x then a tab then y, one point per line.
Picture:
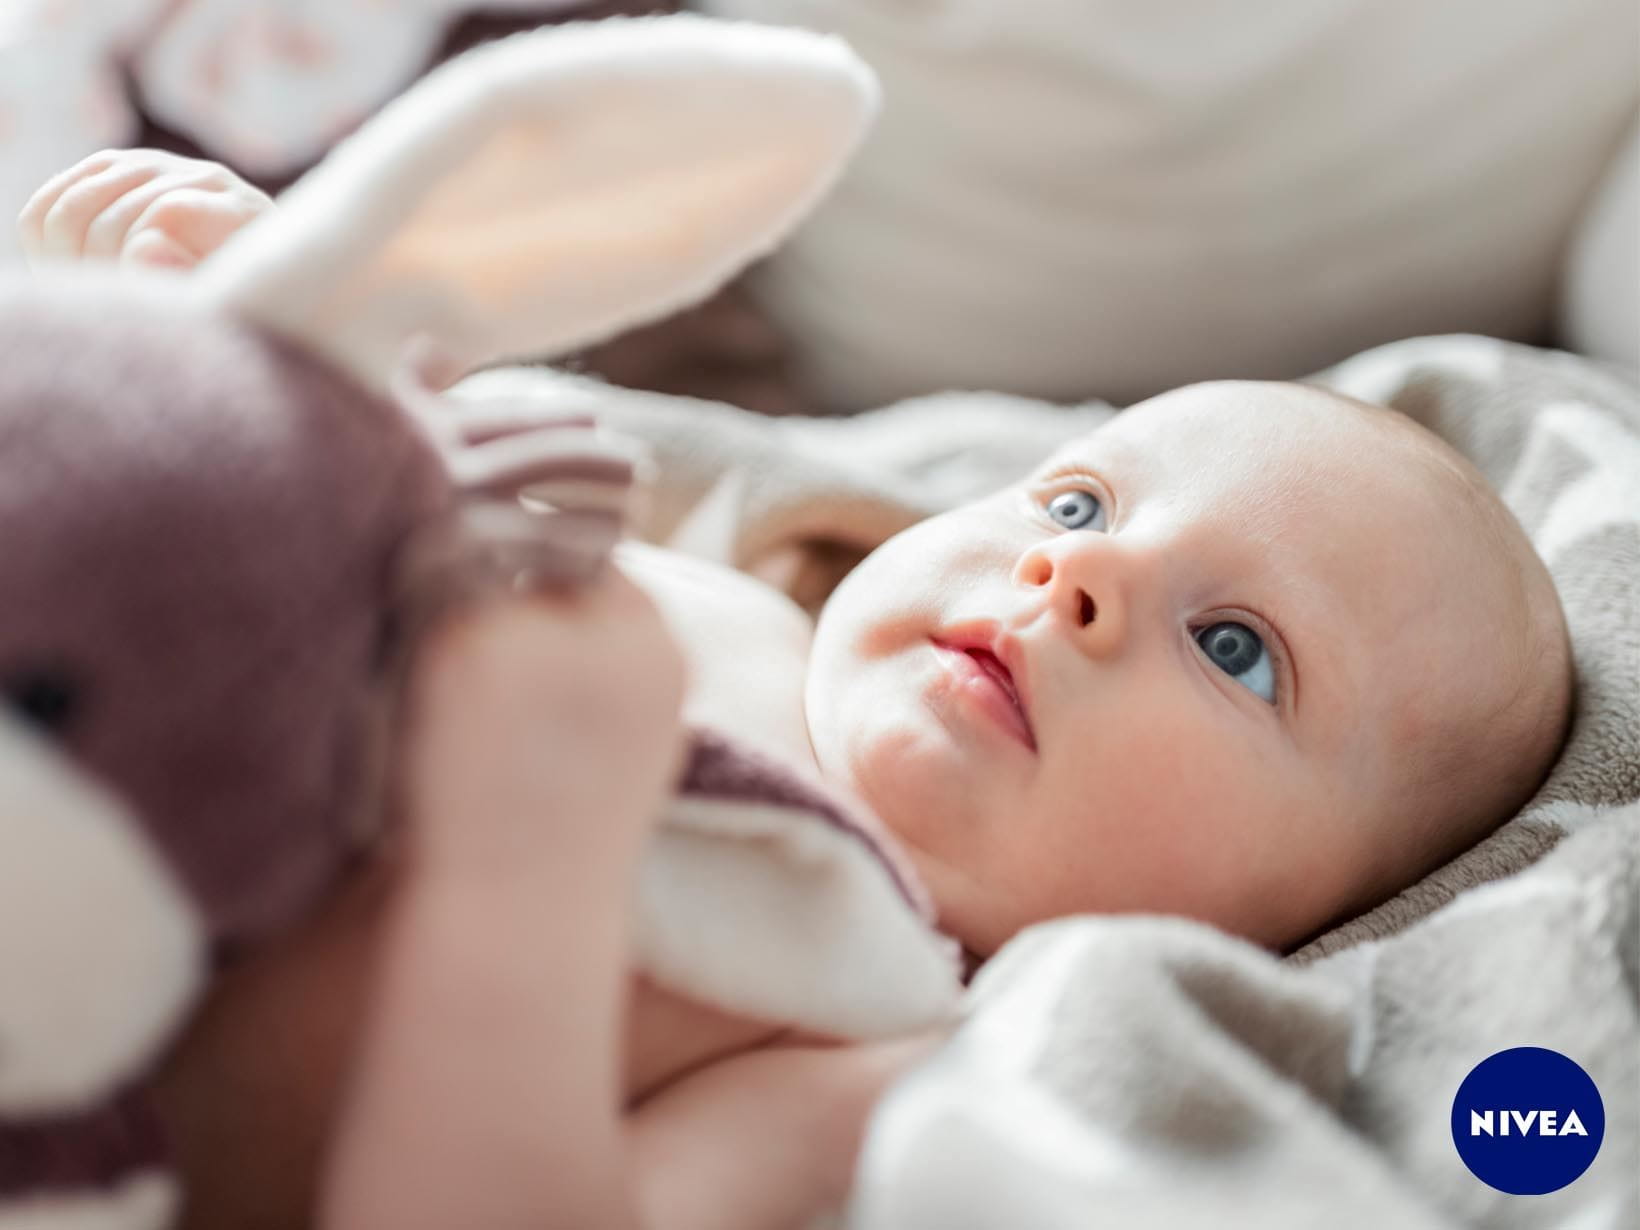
548	191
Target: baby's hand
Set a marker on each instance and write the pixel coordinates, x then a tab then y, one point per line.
138	206
545	730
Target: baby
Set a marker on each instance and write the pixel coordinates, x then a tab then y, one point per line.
1255	654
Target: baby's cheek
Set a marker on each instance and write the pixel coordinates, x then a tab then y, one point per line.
1160	805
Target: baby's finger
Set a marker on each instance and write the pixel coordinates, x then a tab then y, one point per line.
156	249
108	231
198	219
31	221
68	221
106	235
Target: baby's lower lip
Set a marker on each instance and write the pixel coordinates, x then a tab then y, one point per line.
975	685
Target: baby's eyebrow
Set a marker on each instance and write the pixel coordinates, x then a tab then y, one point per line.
1075	455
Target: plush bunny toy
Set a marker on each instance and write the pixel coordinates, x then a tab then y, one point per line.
225	511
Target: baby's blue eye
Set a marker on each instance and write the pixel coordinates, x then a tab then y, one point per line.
1077	510
1237	651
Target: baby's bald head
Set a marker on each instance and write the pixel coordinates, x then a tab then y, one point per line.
1251	653
1479	732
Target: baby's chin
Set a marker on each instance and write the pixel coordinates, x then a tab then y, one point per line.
932	816
887	774
883	775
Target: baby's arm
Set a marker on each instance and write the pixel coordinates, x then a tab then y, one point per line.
487	1090
138	206
762	1141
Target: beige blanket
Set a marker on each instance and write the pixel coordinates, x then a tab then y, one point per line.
1177	1077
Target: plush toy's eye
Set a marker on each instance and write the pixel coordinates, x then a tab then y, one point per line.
47	698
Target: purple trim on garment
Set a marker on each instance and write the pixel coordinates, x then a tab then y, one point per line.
719	768
91	1150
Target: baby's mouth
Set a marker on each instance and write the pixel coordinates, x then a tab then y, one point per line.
989	663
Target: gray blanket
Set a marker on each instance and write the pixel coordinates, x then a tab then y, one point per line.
1151	1072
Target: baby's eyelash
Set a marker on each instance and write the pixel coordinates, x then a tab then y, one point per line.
1285	671
1055	482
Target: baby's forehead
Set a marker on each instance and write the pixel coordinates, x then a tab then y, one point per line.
1244	439
1287	486
1276	415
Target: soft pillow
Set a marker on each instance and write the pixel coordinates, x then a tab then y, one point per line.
1601	306
1100	199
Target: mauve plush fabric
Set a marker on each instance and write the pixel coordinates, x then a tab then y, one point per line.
200	529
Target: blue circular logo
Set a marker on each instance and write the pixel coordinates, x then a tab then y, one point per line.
1527	1121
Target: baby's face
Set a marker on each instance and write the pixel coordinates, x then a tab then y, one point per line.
1180	669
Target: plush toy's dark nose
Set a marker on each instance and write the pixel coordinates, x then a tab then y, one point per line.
46	698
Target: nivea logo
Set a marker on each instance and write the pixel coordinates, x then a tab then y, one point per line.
1527	1121
1480	1123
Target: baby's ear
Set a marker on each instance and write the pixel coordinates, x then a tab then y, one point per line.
549	191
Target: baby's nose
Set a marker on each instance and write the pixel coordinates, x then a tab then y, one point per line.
1085	588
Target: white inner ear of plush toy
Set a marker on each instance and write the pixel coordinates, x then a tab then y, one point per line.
560	246
549	191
